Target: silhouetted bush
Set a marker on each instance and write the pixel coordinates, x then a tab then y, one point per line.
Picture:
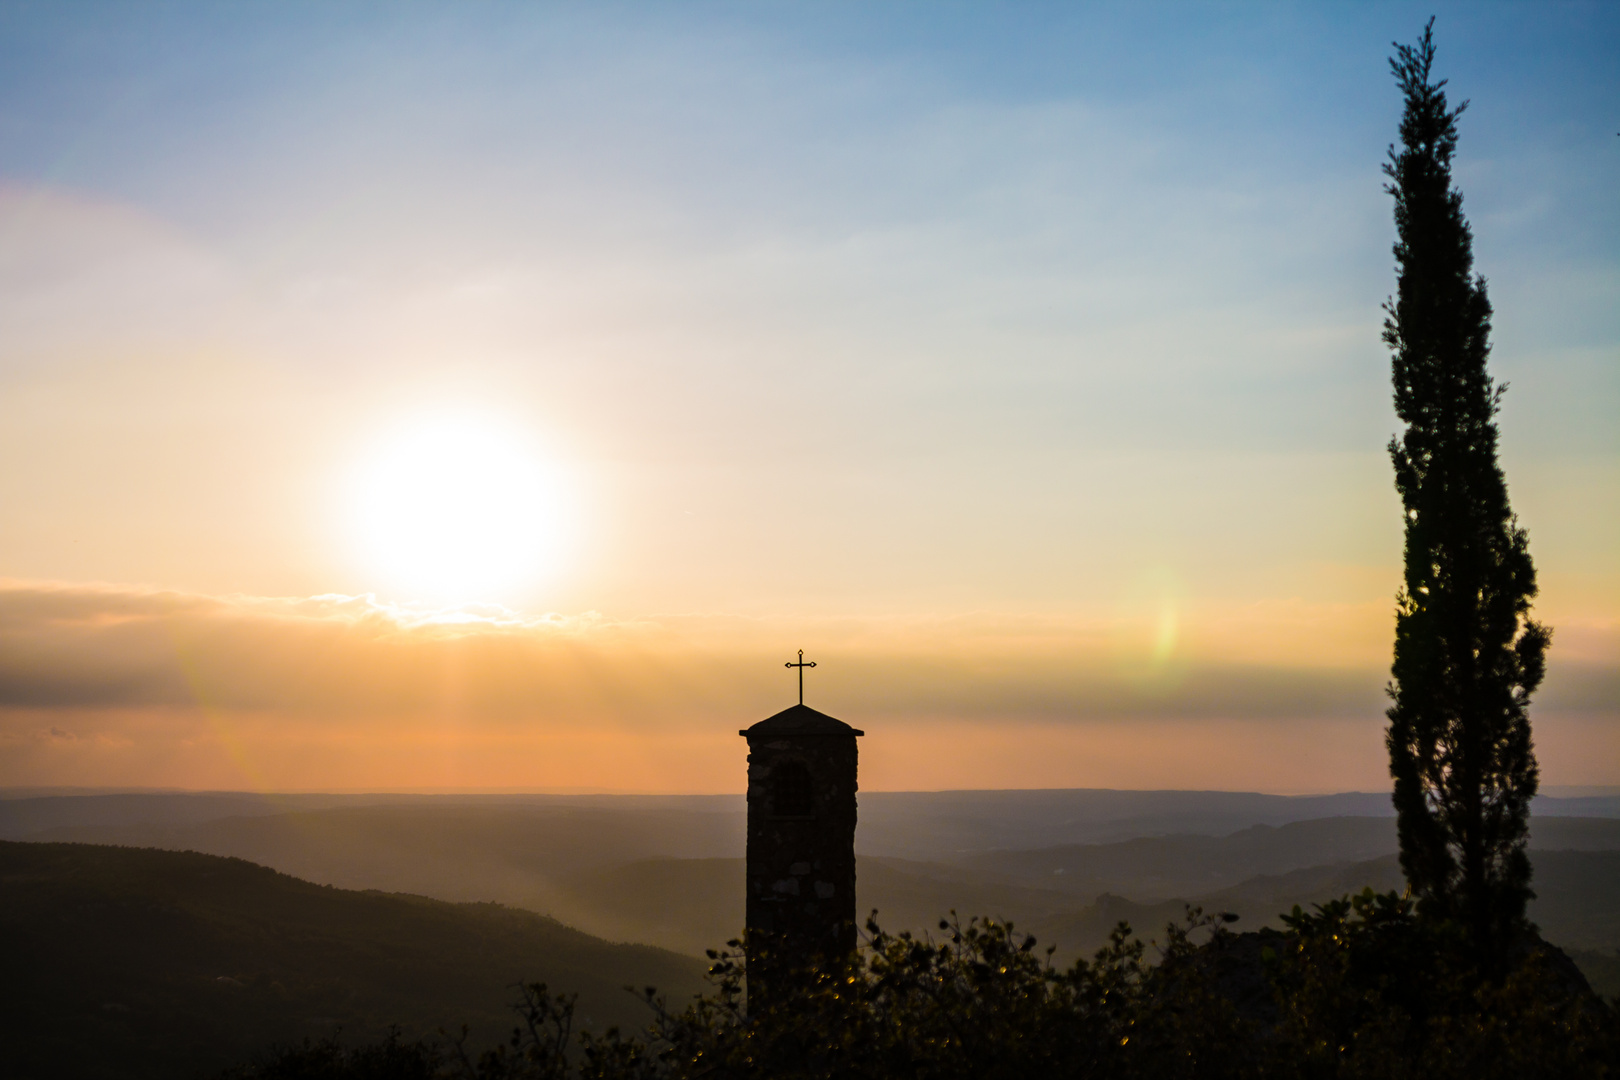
1369	989
329	1059
1359	987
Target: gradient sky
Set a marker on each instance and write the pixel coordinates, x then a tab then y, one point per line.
1020	362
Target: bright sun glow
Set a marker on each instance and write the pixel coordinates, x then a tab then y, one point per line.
459	509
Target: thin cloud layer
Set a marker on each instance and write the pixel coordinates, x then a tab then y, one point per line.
105	685
1034	389
74	647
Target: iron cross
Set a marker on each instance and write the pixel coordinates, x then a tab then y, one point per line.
801	665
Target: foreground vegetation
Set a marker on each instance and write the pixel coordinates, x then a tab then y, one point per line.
1360	987
128	963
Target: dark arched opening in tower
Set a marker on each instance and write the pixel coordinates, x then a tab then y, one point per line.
791	794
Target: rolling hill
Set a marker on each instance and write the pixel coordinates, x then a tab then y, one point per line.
188	959
448	849
691	904
667	870
1163	867
130	962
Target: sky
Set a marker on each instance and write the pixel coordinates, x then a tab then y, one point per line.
495	396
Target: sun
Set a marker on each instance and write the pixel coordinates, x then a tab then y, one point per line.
458	509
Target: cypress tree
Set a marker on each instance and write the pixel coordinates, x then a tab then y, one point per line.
1467	654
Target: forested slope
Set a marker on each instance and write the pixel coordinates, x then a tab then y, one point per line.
135	962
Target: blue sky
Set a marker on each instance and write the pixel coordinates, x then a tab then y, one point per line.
831	314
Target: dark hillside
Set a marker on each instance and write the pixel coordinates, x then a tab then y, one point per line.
128	962
1159	867
1577	901
691	904
933	825
532	852
511	853
688	905
1163	867
1602	970
694	904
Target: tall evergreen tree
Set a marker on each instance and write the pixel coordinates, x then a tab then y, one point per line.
1467	654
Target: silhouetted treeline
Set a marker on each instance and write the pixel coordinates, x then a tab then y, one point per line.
1359	987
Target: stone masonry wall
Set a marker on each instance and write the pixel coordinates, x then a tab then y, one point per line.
801	868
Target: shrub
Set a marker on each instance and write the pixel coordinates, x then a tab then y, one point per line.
1359	987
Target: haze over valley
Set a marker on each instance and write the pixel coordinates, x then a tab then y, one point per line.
667	870
507	505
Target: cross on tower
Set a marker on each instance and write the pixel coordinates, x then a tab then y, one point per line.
801	665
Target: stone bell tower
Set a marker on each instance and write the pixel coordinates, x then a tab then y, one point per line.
801	842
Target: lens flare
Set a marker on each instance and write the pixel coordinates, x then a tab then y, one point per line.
1149	645
1167	631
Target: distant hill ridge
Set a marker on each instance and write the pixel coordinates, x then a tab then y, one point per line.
922	824
667	871
660	869
130	962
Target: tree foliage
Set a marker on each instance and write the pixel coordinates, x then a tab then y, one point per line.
1361	987
1368	989
1467	654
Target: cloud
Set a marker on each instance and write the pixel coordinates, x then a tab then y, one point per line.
78	647
111	685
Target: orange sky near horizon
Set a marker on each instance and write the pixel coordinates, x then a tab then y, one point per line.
493	398
118	687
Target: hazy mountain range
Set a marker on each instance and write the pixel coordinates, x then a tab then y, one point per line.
188	961
668	871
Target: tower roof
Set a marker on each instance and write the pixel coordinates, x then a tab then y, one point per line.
800	720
